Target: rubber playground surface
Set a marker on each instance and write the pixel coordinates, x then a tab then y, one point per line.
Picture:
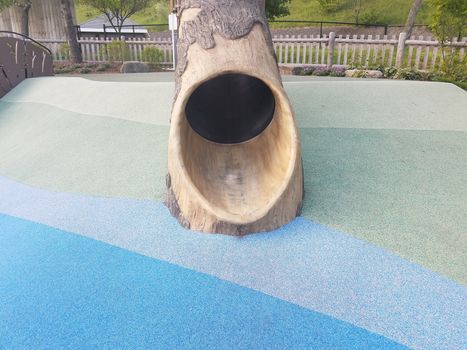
91	258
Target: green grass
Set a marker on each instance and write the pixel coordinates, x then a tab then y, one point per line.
380	11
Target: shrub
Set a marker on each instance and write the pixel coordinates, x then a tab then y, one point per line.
321	71
297	71
360	73
152	54
84	71
64	51
103	67
409	74
370	17
337	72
308	70
388	72
330	6
116	51
91	65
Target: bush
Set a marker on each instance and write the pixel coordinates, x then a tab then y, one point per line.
330	6
321	71
409	74
63	70
337	72
308	70
103	67
153	55
298	70
64	51
360	73
116	51
84	71
388	72
370	17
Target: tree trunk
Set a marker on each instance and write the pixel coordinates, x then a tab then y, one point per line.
25	19
234	152
76	56
412	17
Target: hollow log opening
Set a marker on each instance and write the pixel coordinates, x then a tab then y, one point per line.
230	108
240	178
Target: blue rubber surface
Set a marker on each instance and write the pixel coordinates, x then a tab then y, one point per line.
62	290
303	263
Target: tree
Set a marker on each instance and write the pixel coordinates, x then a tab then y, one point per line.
70	29
117	11
449	20
277	8
409	24
24	6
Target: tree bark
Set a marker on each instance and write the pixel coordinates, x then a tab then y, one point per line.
25	19
76	56
412	17
234	164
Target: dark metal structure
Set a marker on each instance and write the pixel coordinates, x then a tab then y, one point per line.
21	57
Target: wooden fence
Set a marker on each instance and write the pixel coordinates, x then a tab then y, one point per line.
94	50
356	51
360	51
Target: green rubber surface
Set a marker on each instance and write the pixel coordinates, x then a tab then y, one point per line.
385	161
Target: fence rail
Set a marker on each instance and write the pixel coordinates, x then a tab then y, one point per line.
359	50
94	50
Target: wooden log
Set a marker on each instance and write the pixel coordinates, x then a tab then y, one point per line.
234	164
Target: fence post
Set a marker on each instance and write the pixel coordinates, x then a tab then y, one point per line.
331	45
400	49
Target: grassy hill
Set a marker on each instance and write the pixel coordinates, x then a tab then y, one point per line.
372	11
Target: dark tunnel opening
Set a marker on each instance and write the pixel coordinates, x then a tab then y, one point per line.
230	108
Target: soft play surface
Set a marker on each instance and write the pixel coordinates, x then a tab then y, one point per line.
91	258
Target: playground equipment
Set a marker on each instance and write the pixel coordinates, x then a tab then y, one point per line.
234	152
21	57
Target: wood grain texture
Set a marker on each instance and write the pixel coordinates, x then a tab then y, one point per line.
236	189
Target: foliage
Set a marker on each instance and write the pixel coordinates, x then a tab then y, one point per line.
64	51
24	5
360	73
117	11
84	68
303	70
321	71
410	74
390	12
449	20
116	51
337	71
19	3
370	17
330	6
103	67
152	54
277	8
388	72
